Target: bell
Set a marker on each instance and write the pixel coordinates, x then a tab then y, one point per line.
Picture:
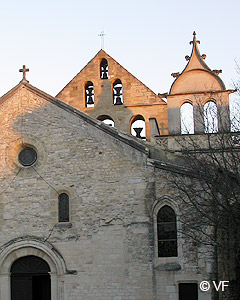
118	90
90	100
138	131
118	101
104	75
90	90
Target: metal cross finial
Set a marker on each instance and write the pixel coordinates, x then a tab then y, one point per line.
102	39
24	70
194	39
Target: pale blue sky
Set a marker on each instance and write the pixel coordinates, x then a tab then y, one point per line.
57	38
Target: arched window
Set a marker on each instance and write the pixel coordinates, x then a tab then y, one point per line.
89	94
138	127
104	69
187	123
211	117
63	207
106	119
167	232
117	92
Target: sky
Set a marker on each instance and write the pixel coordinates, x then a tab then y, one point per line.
55	39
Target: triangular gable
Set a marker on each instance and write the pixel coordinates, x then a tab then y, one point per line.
91	73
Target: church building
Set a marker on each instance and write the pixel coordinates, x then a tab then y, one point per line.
86	208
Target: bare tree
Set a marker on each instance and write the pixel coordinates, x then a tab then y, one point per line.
210	194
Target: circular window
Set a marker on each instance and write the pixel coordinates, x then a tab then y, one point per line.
27	156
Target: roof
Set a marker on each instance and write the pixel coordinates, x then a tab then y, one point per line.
196	63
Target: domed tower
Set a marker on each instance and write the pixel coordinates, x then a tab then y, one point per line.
202	89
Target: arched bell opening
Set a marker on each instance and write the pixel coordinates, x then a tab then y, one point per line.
211	117
107	120
104	69
138	127
30	279
117	92
89	94
187	121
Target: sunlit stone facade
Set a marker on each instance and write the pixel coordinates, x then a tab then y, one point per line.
86	198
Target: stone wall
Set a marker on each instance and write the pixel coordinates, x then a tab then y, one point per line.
108	249
106	180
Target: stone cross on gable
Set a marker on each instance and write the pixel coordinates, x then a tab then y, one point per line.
24	70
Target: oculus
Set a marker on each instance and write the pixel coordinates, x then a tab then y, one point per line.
27	156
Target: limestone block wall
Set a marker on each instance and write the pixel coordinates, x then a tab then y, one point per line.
106	244
193	263
108	249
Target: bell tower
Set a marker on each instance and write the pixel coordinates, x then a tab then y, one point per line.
197	85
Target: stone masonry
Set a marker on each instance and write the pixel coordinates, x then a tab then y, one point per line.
107	248
116	184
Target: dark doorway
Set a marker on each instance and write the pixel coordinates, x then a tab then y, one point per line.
30	279
188	291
